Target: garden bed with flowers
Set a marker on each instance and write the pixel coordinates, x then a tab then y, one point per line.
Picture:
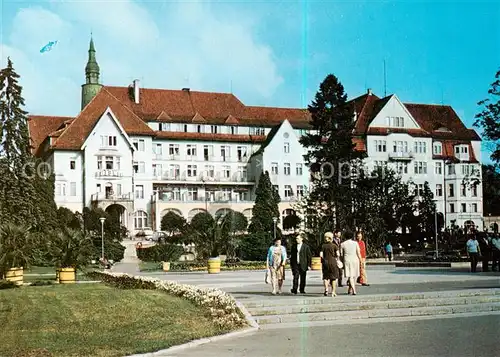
201	266
222	306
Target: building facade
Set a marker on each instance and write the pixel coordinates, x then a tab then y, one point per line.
150	151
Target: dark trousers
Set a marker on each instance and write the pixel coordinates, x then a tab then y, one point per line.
389	255
473	261
496	260
299	273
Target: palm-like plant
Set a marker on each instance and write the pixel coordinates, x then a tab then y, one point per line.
18	245
71	248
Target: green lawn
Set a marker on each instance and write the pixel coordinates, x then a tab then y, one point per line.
96	320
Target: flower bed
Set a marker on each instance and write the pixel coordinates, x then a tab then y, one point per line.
222	306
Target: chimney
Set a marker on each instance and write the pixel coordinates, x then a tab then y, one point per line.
369	91
185	90
136	91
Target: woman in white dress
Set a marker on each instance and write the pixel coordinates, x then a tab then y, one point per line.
352	256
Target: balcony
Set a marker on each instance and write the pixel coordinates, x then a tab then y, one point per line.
401	155
105	196
109	173
201	199
206	180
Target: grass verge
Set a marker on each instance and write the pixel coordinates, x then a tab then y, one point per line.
97	320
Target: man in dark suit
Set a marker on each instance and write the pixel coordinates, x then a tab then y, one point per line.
338	241
300	261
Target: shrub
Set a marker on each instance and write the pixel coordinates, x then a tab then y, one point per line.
113	250
4	284
164	252
42	283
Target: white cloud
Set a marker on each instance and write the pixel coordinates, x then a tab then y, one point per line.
166	45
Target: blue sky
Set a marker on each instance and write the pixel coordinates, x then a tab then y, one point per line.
272	53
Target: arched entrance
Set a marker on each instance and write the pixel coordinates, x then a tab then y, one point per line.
118	213
194	212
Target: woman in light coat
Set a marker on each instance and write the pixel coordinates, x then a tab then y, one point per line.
352	257
275	264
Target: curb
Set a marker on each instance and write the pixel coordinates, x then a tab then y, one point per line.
196	343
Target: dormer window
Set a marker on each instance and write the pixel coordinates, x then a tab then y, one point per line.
462	152
438	148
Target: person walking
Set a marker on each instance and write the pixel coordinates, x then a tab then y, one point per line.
352	256
388	251
473	252
495	253
275	263
485	248
300	261
363	280
338	241
330	253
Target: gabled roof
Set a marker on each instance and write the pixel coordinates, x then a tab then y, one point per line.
41	126
269	138
198	118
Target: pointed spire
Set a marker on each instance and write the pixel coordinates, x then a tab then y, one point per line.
92	68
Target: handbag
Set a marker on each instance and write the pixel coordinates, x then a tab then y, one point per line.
268	277
340	265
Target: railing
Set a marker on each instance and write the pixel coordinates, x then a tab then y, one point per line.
201	199
109	173
103	196
401	155
203	179
201	158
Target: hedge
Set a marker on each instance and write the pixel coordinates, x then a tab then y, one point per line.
160	253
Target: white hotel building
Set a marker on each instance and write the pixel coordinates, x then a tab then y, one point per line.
150	151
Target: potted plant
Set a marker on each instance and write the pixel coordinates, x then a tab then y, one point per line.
167	253
70	249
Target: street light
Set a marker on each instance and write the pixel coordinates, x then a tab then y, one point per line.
274	226
436	227
102	219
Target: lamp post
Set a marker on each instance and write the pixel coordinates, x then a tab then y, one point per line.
436	227
102	219
274	226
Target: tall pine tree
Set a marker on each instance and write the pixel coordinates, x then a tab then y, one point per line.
26	197
331	152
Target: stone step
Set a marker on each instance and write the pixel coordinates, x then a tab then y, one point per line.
331	305
269	321
284	300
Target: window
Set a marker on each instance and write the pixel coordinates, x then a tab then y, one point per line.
199	128
138	144
226	194
185	128
397	122
286	148
158	150
174	171
224	153
438	149
402	168
164	126
288	191
464	207
242	173
191	150
380	146
234	130
420	147
451	170
140	220
474	190
274	168
213	129
191	170
474	207
142	167
466	170
464	190
439	190
400	146
452	208
379	164
61	189
300	190
72	188
439	168
257	131
210	171
451	190
98	188
242	153
276	188
298	169
139	191
173	149
109	162
420	167
107	140
208	152
226	172
72	165
157	170
192	194
286	169
420	189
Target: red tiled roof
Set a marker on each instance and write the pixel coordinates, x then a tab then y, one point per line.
387	131
448	152
211	137
41	126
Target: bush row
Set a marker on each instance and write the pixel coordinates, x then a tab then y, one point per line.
202	265
444	259
160	253
221	306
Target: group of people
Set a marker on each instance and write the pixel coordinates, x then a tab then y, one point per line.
487	249
339	260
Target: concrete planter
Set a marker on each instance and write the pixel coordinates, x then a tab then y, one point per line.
316	263
15	275
214	265
166	266
66	275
